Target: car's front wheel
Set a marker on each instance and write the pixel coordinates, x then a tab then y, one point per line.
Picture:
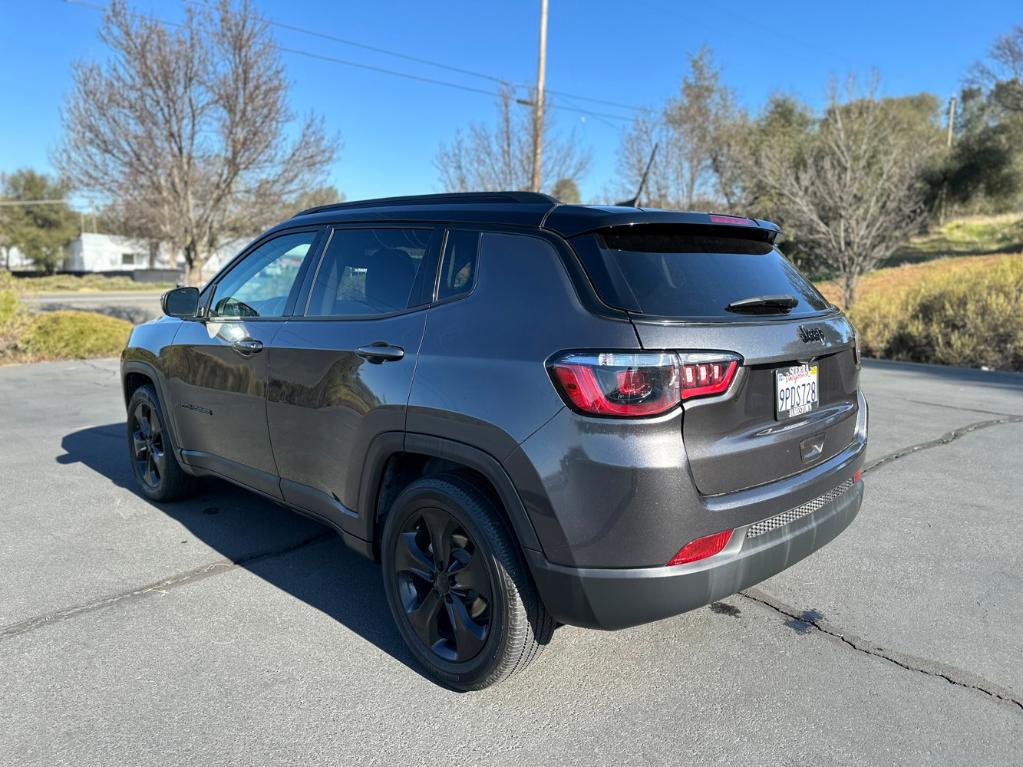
153	462
457	587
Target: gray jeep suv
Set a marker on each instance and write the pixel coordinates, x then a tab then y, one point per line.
530	413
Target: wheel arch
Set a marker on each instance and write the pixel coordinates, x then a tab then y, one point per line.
394	460
134	375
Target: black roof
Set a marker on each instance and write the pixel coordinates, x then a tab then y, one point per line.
528	209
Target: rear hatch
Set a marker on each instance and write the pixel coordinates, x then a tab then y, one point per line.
793	402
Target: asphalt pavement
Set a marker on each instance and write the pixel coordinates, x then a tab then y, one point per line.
135	306
226	630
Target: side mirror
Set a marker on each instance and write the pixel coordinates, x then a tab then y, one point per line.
180	302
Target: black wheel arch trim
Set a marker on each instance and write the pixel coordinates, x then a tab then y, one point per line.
149	371
388	444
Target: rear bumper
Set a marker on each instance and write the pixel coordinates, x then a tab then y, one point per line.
615	598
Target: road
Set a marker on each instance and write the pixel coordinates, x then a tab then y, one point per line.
135	306
226	630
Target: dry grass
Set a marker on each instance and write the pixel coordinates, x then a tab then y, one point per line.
953	311
905	276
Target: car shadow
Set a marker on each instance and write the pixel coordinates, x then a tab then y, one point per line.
289	551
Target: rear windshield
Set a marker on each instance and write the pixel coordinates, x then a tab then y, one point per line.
664	272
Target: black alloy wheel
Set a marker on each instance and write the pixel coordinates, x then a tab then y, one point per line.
457	585
151	450
148	446
444	585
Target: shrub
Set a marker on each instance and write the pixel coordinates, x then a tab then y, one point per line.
63	335
13	318
953	317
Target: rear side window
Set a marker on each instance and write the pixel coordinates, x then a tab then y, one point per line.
368	272
458	269
680	274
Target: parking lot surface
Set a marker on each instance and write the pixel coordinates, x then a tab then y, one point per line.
226	630
135	306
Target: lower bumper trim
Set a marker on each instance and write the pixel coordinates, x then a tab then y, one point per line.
619	598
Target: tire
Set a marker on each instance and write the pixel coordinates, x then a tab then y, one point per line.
151	450
501	629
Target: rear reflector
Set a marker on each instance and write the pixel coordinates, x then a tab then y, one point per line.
701	548
636	384
857	475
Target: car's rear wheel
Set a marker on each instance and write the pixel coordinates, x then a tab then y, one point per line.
457	587
153	461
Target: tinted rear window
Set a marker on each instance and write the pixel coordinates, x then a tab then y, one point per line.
667	272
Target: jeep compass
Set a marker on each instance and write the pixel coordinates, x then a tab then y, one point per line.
531	414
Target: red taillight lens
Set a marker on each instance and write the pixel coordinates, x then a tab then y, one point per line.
701	548
700	379
632	384
618	384
857	475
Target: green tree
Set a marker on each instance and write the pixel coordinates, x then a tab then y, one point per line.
1001	74
566	190
41	231
697	134
983	170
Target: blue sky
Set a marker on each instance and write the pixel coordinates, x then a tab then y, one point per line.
632	53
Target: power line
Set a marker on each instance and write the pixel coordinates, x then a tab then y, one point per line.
380	70
435	81
429	62
383	70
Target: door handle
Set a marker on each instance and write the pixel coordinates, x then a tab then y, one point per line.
247	346
380	351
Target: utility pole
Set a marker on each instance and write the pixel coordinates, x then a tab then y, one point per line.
951	121
541	74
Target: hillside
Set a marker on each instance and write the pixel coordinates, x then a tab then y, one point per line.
967	236
896	278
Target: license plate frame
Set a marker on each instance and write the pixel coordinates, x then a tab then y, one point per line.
796	391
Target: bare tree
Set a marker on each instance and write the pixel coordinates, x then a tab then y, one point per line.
851	189
487	159
1002	73
187	127
696	134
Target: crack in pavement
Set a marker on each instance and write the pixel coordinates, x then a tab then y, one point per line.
159	587
951	674
944	439
950	407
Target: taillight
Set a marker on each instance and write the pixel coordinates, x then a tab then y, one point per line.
704	375
632	384
701	548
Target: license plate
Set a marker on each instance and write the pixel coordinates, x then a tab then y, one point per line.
795	391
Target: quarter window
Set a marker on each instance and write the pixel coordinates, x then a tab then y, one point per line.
368	272
260	285
458	269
